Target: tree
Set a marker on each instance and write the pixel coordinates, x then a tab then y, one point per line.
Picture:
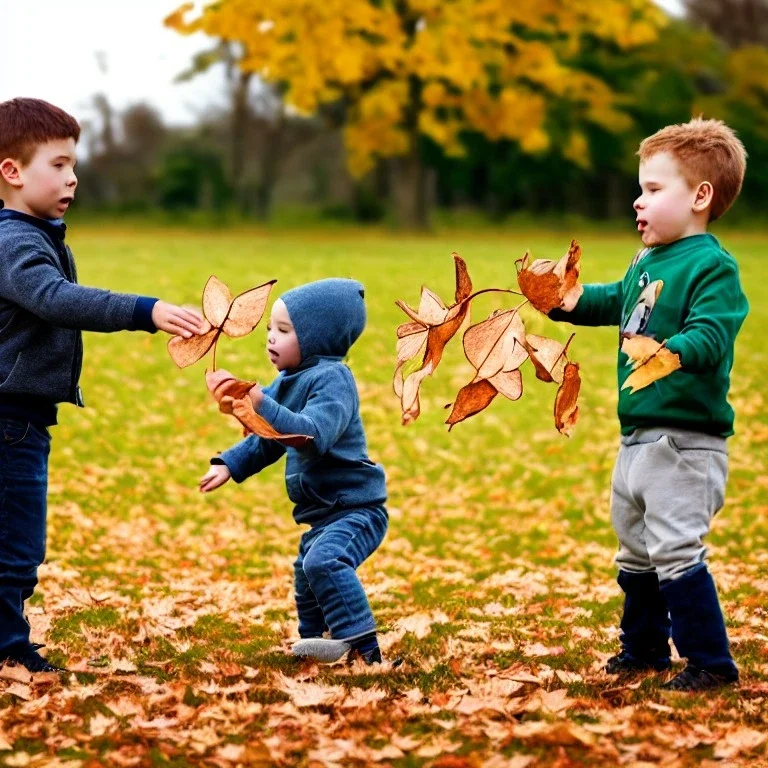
408	69
737	22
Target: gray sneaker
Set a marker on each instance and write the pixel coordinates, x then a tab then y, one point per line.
321	648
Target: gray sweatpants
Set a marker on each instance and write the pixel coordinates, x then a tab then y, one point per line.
667	486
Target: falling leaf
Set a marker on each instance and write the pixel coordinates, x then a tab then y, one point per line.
551	289
234	317
432	326
649	368
566	410
232	396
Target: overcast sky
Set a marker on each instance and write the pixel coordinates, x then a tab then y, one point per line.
50	49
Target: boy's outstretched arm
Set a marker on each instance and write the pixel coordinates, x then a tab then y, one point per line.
593	304
325	416
33	281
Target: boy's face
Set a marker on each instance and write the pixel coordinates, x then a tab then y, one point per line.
44	187
668	208
282	343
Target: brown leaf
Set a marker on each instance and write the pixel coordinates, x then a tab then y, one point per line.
472	399
440	323
660	364
242	410
509	384
247	310
548	357
496	344
234	317
548	290
185	352
566	410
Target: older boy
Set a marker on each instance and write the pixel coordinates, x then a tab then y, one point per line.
670	474
42	313
337	490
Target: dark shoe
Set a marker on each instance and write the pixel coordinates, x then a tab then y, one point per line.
692	679
33	661
624	664
371	657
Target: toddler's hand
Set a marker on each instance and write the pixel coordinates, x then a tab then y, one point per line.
214	378
257	397
178	320
215	477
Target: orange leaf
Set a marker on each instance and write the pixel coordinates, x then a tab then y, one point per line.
509	384
548	290
235	318
566	410
242	410
639	349
247	310
185	352
472	399
656	367
440	323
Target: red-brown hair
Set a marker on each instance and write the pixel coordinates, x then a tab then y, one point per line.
705	150
27	123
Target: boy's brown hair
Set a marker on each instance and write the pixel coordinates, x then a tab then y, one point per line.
27	123
705	150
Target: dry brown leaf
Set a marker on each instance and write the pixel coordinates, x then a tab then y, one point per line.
472	399
548	357
432	326
232	396
496	344
549	290
660	364
566	410
234	317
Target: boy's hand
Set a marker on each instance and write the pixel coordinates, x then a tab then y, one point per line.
215	477
214	379
178	320
571	298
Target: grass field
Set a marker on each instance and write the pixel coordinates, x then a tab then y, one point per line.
495	583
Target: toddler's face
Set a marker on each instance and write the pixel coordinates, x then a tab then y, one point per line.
665	206
48	180
282	343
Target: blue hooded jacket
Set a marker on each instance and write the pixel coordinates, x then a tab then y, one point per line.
331	473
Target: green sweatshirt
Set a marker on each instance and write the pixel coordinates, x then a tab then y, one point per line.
687	293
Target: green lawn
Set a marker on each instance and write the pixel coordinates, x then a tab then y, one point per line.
495	582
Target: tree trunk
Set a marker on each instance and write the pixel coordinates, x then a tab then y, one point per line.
410	191
239	128
271	158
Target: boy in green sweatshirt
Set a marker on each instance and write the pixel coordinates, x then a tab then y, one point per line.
669	481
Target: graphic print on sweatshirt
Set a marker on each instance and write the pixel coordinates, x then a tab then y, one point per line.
637	312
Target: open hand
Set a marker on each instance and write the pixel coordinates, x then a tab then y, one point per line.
215	477
179	321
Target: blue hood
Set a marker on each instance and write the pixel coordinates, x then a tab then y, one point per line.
328	316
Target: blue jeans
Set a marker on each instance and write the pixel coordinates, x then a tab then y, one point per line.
329	595
24	450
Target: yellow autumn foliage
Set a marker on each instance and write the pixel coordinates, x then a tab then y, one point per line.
432	67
